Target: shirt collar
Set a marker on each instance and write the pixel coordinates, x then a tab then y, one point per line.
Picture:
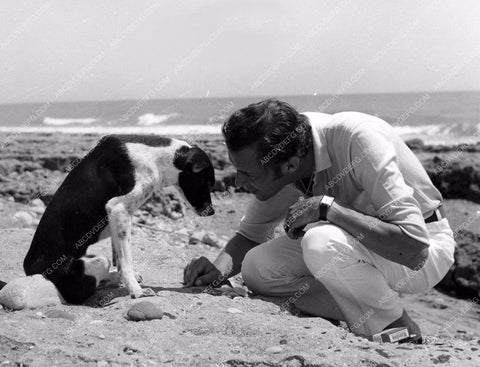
317	122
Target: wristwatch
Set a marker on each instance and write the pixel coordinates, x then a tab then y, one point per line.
325	204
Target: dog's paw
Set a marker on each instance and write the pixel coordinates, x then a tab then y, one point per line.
145	292
148	292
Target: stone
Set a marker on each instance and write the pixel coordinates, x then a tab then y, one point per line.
210	239
23	218
234	310
30	292
37	203
273	350
59	314
439	303
196	237
144	311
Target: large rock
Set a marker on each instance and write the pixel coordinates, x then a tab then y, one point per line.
463	278
30	292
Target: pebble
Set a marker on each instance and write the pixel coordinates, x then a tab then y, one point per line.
210	239
207	238
143	311
59	314
234	310
196	237
274	350
101	336
439	303
23	218
102	363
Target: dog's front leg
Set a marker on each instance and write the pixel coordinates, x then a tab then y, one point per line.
120	222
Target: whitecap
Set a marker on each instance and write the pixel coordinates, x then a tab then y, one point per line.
151	119
69	121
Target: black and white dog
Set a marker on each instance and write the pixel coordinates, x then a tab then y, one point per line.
98	198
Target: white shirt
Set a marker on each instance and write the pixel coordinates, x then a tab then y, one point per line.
360	160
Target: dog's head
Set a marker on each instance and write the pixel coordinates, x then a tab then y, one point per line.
196	177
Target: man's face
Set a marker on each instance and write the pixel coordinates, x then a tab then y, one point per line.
255	177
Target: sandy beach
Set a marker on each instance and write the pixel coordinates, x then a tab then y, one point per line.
226	327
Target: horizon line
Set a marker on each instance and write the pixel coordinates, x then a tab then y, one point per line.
279	96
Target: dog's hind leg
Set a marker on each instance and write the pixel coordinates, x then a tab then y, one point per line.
120	210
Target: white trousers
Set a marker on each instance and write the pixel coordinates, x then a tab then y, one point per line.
364	285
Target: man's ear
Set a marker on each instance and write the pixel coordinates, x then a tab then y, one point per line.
290	166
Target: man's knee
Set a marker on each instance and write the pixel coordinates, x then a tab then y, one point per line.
252	266
324	247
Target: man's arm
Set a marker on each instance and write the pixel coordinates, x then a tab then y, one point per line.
229	261
385	239
201	271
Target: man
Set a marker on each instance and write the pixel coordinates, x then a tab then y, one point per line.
370	224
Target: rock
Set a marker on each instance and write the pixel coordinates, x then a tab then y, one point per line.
207	238
102	363
234	310
196	237
59	314
273	350
463	278
439	303
38	210
211	239
37	203
23	218
144	311
30	292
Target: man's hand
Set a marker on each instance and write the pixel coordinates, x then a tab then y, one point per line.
303	212
201	272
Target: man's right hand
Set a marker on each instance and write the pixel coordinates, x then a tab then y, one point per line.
201	272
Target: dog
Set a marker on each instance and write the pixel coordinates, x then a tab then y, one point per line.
98	198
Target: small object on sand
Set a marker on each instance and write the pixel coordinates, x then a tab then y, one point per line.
23	218
273	350
439	303
144	311
234	310
59	314
196	237
30	292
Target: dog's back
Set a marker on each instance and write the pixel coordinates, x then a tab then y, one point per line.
77	213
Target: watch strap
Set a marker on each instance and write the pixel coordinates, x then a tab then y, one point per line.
325	204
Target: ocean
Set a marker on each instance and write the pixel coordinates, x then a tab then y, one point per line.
436	118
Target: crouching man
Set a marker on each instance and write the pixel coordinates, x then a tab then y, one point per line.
363	221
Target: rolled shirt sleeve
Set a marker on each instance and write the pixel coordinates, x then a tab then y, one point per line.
259	222
378	173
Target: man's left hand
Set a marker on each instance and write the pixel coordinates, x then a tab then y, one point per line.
303	212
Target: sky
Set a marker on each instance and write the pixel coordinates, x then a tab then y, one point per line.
62	50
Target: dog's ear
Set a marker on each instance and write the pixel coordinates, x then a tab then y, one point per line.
190	159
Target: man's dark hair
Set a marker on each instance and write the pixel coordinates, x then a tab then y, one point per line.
280	131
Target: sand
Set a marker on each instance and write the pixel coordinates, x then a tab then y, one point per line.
200	328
